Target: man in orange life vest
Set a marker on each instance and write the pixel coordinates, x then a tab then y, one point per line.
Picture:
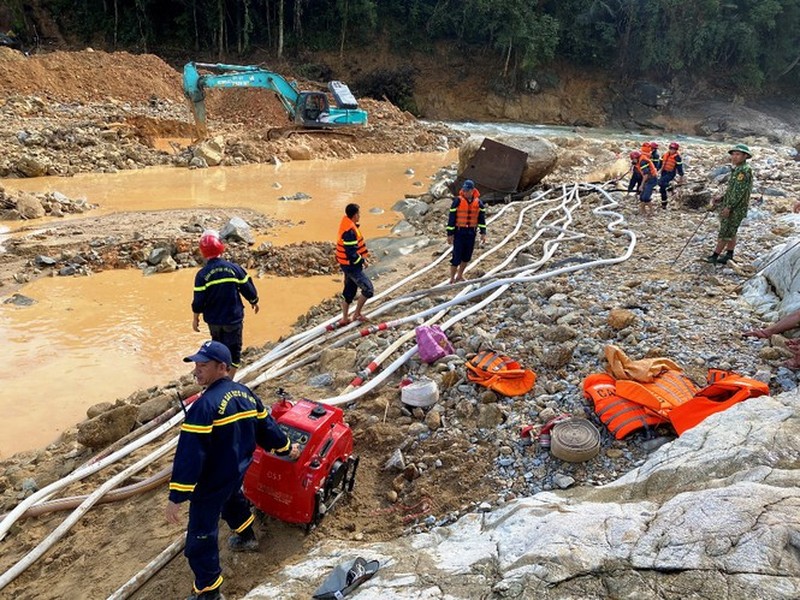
671	164
351	254
649	174
467	217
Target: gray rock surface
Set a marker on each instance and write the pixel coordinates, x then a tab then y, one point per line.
715	514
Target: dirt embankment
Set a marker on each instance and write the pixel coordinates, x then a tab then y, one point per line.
70	112
464	453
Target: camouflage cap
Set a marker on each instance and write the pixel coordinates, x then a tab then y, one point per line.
741	148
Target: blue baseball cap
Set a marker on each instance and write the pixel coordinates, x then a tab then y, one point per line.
468	185
209	351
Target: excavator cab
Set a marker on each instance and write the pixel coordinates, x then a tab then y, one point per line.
312	109
309	110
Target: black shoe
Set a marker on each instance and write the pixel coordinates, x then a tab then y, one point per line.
713	259
210	595
664	205
724	258
237	543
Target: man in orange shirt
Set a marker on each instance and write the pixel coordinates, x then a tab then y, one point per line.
351	254
467	217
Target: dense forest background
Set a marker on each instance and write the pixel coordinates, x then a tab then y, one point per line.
748	46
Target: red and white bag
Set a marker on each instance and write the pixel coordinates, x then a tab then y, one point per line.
432	343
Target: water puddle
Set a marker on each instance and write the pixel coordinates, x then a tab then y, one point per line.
99	338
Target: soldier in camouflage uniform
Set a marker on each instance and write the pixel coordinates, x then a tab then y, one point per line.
734	204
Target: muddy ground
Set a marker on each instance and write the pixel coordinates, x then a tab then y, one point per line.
79	122
60	117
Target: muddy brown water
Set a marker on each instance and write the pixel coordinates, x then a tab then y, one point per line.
99	338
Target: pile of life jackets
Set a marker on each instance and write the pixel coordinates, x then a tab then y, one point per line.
625	405
500	373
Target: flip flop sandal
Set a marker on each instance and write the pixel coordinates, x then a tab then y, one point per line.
345	578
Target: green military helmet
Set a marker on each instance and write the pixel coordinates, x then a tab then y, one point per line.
741	148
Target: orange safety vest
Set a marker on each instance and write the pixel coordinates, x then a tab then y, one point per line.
669	161
500	373
660	396
346	225
620	415
467	211
645	160
647	149
724	390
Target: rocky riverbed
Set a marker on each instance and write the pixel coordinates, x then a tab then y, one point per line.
421	468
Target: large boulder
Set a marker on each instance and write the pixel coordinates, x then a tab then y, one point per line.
107	427
542	156
738	122
714	514
30	207
211	151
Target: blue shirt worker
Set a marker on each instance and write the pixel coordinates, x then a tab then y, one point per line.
635	183
647	170
467	217
215	447
218	290
671	165
352	254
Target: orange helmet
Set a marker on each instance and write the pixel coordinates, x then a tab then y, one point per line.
635	154
674	145
210	245
654	145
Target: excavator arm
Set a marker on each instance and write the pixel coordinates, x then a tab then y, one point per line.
306	109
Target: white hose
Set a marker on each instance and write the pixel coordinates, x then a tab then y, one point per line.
81	473
59	532
496	288
150	569
500	286
303	338
278	365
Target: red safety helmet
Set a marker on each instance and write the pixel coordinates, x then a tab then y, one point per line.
674	145
654	145
210	245
635	154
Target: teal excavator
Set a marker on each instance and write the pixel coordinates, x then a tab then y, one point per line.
309	111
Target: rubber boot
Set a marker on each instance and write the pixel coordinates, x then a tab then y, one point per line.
243	542
725	257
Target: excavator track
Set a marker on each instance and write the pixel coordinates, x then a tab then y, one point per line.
282	133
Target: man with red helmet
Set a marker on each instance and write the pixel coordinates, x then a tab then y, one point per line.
649	175
650	150
671	165
635	182
218	288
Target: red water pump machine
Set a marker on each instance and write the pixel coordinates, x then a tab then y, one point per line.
304	490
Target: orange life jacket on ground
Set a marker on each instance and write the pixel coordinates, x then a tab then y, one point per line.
724	390
346	225
467	211
671	397
621	416
500	373
662	395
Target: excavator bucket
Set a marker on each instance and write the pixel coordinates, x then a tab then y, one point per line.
199	113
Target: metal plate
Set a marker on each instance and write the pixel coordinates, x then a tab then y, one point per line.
495	168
